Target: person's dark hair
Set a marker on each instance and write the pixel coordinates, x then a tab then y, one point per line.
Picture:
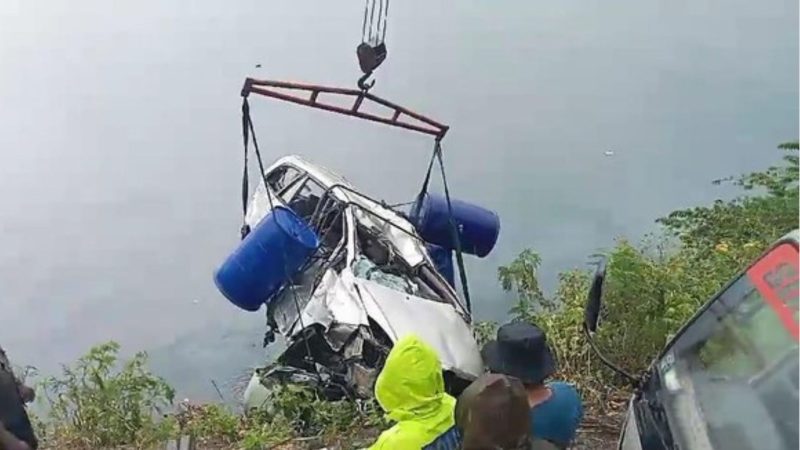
533	385
493	413
526	385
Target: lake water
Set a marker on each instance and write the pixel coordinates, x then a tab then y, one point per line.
120	146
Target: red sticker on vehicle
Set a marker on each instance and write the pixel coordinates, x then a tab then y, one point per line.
776	278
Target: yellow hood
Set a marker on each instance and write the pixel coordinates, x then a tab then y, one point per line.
410	384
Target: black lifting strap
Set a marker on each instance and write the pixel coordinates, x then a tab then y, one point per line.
462	273
247	131
427	180
245	178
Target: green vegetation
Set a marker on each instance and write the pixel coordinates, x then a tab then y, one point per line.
101	403
93	405
652	288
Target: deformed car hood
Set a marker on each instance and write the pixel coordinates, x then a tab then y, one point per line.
436	323
348	300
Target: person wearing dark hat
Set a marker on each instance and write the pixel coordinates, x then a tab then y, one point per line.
521	351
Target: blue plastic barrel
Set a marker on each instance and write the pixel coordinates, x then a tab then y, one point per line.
443	262
478	227
275	249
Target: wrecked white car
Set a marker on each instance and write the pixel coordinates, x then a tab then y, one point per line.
370	282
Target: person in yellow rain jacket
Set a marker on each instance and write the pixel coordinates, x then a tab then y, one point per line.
411	391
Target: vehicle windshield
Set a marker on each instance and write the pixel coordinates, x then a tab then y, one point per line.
730	381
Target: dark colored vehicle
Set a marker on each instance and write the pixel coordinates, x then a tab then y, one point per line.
729	378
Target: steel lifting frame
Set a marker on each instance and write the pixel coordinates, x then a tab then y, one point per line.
398	117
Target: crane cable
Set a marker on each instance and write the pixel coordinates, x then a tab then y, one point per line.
371	51
373	31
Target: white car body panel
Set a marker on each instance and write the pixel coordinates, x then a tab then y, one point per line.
342	300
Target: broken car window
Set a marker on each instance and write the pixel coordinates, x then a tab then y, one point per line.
304	202
329	221
281	177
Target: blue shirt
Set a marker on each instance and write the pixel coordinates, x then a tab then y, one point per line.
557	419
450	440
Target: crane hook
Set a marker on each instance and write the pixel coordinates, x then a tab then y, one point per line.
362	82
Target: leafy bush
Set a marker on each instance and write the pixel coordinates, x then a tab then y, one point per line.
293	410
310	415
209	422
484	331
747	221
652	288
94	405
258	436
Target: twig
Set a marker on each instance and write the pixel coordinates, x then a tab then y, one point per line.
214	383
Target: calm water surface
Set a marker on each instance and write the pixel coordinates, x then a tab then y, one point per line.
120	150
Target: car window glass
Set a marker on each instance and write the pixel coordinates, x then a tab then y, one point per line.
281	177
752	331
292	189
304	200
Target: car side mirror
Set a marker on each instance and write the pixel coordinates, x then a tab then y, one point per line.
591	313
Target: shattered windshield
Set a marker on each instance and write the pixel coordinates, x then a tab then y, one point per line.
731	379
377	260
